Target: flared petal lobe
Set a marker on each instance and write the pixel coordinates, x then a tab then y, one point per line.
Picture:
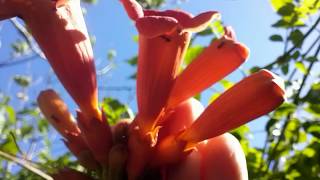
222	57
57	113
254	96
59	29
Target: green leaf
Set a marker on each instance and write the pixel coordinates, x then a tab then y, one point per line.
11	114
115	110
133	61
276	37
111	54
270	124
192	53
286	10
226	84
314	129
213	97
205	32
90	1
312	59
285	68
43	125
301	67
9	146
23	81
314	109
135	38
20	47
217	28
296	37
309	152
277	4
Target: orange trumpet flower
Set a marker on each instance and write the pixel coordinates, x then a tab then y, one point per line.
163	39
59	29
254	96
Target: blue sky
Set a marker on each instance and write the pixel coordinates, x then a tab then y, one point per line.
107	20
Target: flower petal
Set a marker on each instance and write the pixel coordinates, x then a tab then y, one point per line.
57	113
215	62
181	16
133	9
200	22
180	118
219	158
251	98
153	26
7	10
62	35
158	63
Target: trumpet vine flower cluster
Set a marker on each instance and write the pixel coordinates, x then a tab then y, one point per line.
172	137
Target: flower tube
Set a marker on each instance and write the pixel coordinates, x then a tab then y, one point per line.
163	39
60	30
254	96
216	61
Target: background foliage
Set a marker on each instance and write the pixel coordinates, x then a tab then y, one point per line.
290	151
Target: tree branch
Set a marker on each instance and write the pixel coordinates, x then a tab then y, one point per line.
25	164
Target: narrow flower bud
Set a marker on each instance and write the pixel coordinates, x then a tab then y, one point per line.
57	113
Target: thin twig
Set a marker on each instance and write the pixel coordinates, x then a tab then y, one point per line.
295	47
27	36
25	164
9	63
